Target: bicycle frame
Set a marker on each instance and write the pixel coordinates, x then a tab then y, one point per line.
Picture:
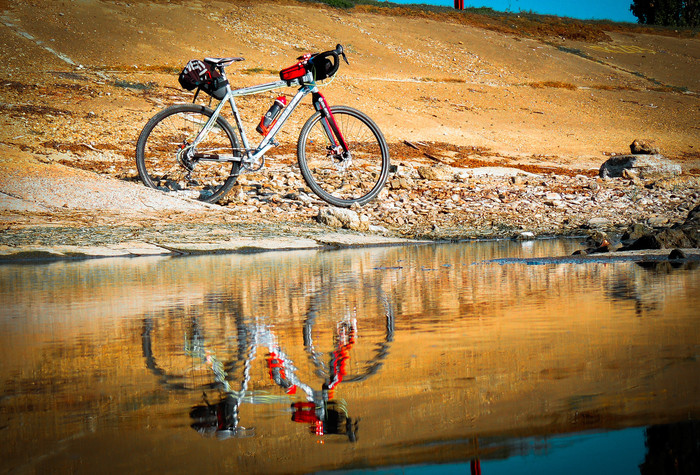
252	156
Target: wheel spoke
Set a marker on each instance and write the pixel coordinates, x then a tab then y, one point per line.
339	180
166	161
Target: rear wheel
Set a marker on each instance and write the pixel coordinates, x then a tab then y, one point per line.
166	161
344	178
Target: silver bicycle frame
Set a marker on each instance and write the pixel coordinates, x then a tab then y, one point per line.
252	156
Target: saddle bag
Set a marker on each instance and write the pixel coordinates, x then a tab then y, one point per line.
198	74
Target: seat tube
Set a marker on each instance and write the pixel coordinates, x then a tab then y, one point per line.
328	121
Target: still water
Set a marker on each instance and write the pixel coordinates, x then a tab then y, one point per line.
418	359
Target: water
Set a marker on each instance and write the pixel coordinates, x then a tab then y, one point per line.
422	359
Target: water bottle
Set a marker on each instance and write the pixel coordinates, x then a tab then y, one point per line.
270	117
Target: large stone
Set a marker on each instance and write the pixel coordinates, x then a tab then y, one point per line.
644	166
436	173
644	147
343	218
693	218
635	231
674	238
599	222
665	239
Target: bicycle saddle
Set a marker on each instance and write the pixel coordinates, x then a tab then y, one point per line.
222	62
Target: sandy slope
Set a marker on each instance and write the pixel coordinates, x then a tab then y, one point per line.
420	79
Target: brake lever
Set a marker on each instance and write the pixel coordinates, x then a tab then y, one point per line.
341	52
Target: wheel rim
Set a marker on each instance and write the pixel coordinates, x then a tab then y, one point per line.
353	177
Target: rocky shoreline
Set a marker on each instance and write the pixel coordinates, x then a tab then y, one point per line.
51	211
437	201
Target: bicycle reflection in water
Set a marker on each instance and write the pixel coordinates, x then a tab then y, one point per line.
318	408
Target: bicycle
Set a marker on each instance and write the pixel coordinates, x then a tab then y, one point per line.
192	150
225	366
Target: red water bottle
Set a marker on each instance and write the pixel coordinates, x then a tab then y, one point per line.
270	117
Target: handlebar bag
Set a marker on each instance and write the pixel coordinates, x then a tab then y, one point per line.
293	72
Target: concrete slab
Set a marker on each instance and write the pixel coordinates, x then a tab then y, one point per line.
241	245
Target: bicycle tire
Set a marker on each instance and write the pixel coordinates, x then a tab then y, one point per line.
165	135
374	349
193	367
338	181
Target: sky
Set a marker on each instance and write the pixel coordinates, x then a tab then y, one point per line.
616	10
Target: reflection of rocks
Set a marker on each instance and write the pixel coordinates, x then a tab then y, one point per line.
666	267
672	448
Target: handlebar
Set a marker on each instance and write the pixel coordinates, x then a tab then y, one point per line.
321	64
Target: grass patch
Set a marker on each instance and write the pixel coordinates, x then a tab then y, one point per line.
607	87
445	80
138	86
259	71
27	109
553	84
667	88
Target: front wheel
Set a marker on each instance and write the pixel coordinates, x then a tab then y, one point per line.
166	161
343	178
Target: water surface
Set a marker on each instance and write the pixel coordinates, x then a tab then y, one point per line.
419	359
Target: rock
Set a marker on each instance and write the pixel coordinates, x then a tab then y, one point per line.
691	226
378	229
693	218
599	222
400	183
343	218
525	236
642	166
648	241
665	239
325	216
518	180
635	231
630	174
677	254
644	147
674	237
436	173
598	238
657	221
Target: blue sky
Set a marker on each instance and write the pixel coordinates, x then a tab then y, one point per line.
616	10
